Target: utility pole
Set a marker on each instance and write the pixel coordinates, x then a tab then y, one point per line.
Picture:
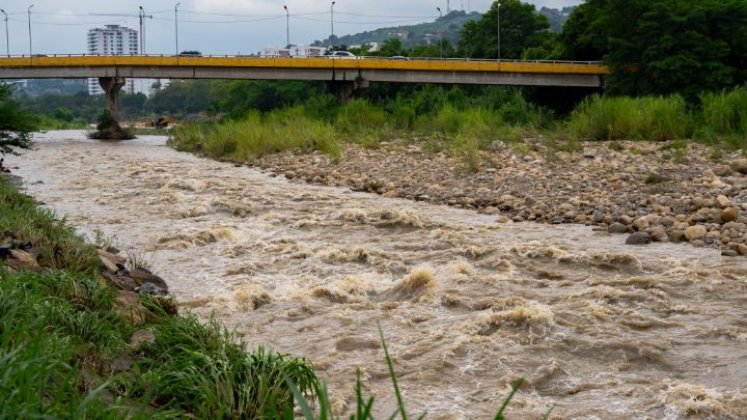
29	13
287	27
448	7
440	34
176	27
7	42
499	31
332	21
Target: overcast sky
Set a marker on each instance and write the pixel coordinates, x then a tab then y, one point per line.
215	26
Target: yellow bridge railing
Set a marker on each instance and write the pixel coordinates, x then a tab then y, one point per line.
362	63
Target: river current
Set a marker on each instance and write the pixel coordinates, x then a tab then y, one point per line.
599	329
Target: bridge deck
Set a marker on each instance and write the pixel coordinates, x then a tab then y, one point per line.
312	68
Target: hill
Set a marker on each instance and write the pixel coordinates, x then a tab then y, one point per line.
427	32
412	35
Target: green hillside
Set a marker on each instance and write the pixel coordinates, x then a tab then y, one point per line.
412	35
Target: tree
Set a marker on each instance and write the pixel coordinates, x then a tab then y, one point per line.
15	124
521	28
662	46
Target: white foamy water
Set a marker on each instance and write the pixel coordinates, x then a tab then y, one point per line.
599	329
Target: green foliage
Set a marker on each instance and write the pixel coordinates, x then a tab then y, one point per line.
662	46
621	118
725	113
58	244
201	369
105	120
520	25
15	124
256	135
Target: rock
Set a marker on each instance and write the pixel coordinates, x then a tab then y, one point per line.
696	232
143	276
502	219
641	223
742	249
129	306
739	165
290	174
108	264
490	210
597	217
22	260
723	201
659	234
729	253
617	228
677	236
730	214
151	289
140	337
638	238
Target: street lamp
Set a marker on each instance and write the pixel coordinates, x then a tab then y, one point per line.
7	42
141	14
332	21
176	27
440	34
29	13
499	31
287	27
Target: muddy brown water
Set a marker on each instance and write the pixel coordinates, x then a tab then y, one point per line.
599	329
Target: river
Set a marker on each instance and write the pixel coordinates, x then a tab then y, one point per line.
599	329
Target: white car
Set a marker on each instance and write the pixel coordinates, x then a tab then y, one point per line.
342	54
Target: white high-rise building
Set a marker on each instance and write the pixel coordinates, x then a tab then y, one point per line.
112	40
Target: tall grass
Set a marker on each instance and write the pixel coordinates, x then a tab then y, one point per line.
724	117
258	135
624	118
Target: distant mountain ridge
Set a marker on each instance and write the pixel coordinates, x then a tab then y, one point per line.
428	32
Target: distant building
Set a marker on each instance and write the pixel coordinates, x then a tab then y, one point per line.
293	51
112	40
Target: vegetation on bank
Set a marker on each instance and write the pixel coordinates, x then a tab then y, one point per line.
448	120
67	350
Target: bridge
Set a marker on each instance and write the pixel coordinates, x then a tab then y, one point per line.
344	75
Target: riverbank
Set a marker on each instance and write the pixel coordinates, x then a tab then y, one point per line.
597	327
663	191
87	333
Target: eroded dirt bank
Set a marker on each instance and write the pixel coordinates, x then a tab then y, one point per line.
599	328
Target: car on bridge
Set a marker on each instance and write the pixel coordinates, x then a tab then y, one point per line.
342	54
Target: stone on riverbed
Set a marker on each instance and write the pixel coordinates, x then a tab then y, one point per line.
639	238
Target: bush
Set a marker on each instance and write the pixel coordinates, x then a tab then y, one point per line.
621	118
725	113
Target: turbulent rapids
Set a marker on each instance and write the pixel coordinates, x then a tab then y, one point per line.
598	329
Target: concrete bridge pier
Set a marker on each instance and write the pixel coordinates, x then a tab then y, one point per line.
112	86
345	89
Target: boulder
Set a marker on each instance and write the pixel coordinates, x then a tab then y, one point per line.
617	228
22	260
659	234
696	232
730	214
639	238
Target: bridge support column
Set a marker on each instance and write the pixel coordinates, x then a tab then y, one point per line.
112	86
345	89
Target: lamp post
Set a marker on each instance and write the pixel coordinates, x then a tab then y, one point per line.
499	31
29	14
141	14
440	34
7	42
287	27
332	21
176	27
